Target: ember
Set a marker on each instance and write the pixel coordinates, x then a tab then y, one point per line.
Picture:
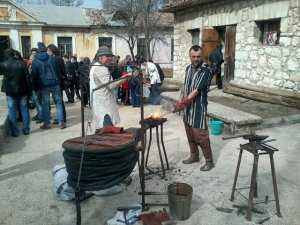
154	116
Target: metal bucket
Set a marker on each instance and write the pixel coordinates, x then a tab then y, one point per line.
180	199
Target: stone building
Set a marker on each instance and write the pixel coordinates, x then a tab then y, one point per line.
261	40
73	30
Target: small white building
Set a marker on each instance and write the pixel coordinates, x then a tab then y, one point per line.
261	43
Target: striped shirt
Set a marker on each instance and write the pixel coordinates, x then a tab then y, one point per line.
197	78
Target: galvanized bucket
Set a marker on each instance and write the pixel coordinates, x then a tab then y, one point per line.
180	199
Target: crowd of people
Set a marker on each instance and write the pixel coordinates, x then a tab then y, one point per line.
31	84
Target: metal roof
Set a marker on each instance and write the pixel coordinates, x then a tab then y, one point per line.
59	15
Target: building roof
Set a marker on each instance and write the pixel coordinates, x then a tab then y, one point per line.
66	16
174	5
58	15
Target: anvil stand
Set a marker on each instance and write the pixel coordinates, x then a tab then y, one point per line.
142	151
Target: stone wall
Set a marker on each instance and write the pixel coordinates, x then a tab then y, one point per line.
257	64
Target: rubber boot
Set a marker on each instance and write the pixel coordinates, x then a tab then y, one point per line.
194	157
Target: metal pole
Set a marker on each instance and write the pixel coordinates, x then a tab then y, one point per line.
142	169
82	110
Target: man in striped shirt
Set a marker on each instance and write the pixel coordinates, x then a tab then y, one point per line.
194	107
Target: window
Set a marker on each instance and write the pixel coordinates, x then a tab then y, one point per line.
269	31
4	44
105	41
172	49
65	46
141	47
26	46
195	33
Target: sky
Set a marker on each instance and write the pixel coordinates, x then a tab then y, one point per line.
92	3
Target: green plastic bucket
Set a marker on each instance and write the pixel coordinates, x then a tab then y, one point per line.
216	126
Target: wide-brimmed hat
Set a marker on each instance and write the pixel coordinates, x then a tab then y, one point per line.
104	51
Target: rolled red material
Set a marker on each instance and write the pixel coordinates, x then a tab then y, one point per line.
110	130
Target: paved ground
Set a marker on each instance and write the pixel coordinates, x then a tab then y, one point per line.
26	181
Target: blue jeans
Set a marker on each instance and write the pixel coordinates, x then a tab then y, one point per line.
37	99
155	97
12	104
56	93
135	96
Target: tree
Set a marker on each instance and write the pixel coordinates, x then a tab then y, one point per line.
140	18
127	13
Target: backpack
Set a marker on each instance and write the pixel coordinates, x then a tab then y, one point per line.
48	76
160	72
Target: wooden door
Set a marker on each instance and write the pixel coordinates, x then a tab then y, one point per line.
210	40
229	58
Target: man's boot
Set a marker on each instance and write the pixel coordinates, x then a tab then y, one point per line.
207	166
194	157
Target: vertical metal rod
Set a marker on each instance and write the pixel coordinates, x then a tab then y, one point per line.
142	169
275	185
160	155
163	145
252	187
236	175
149	146
82	112
78	208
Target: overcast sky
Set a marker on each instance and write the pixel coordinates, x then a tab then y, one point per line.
92	3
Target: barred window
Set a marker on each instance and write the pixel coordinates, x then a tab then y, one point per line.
26	46
65	46
269	31
105	41
195	33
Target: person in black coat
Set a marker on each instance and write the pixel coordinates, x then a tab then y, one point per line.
52	50
216	60
84	78
17	89
76	78
71	79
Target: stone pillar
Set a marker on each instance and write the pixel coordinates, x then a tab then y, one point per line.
36	37
14	38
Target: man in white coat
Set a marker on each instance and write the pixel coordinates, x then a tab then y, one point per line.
104	104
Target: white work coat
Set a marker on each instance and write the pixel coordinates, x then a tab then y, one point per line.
153	73
103	100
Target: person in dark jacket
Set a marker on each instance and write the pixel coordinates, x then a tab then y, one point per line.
45	78
36	97
71	78
76	78
84	78
216	60
52	50
16	87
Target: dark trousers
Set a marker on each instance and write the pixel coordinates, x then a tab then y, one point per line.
219	80
85	93
72	89
199	137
